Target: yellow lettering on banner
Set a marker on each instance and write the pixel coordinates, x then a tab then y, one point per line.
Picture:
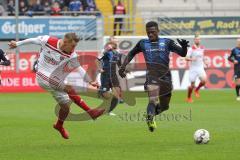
205	24
237	24
178	25
227	25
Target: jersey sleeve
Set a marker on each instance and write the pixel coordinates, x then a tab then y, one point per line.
189	52
231	58
40	40
137	49
177	49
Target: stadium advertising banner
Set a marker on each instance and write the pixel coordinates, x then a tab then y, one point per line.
203	25
55	26
219	72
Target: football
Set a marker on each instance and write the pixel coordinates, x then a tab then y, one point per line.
201	136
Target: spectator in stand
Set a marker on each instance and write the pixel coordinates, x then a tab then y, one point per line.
61	3
64	6
2	10
90	6
118	11
23	8
40	7
34	8
75	6
67	2
47	7
11	8
55	9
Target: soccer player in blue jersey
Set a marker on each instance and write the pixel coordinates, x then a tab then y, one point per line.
3	61
158	83
235	59
109	80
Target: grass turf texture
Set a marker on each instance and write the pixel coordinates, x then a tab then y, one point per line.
26	131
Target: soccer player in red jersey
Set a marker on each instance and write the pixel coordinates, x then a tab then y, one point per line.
195	56
56	56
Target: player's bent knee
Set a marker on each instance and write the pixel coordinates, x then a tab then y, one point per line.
67	88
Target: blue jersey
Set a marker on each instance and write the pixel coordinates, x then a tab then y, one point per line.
109	61
156	54
3	60
235	56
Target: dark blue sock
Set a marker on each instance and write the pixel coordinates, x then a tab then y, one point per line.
114	103
237	90
151	108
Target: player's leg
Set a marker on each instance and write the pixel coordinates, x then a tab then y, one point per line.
62	115
164	103
94	113
115	98
76	98
153	92
237	87
203	79
115	27
116	91
108	83
64	103
105	93
190	89
192	79
120	26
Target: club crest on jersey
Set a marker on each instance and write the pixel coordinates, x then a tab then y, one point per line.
162	44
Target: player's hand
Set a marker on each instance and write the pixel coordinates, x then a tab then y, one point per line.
101	70
235	62
121	72
94	84
12	44
183	43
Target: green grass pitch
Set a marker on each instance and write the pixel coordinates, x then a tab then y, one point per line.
26	131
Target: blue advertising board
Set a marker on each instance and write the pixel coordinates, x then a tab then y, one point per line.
54	26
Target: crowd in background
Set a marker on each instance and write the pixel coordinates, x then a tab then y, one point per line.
48	7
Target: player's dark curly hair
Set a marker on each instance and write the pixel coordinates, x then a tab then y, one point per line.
152	24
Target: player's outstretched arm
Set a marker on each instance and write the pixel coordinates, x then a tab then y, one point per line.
3	60
14	44
128	59
182	51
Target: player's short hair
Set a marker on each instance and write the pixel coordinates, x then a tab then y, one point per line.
111	45
71	36
197	35
152	24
